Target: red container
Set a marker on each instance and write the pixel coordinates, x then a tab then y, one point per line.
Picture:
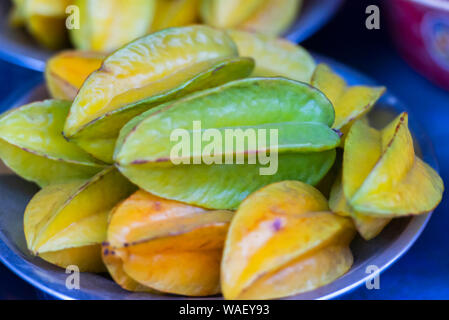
420	29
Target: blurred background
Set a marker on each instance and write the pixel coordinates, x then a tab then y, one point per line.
410	55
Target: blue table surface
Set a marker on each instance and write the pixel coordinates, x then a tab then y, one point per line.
423	273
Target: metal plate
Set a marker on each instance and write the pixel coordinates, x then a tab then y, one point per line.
381	252
18	47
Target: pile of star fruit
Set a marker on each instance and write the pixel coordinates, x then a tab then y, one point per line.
114	200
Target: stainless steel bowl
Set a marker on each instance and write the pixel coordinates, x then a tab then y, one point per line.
18	47
381	252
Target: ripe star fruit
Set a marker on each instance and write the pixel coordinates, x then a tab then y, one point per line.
106	25
66	223
161	245
383	178
175	13
284	241
66	72
274	56
228	13
160	67
273	17
350	102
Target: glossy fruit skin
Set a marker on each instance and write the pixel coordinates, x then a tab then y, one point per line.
362	152
350	103
400	183
368	226
66	223
66	72
382	178
146	73
274	56
164	245
105	26
249	104
283	241
273	17
31	144
99	137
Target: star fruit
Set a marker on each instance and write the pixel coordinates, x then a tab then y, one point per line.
66	223
31	144
350	102
160	67
228	13
217	174
383	178
274	56
284	241
154	244
175	13
66	72
105	26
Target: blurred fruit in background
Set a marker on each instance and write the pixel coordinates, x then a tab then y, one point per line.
273	17
420	29
106	25
267	16
175	13
43	19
